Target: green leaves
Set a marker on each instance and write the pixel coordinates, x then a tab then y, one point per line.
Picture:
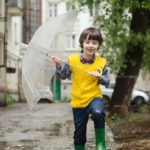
114	20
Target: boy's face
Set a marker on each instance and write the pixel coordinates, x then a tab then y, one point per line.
90	47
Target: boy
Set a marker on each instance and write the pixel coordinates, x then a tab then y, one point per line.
88	71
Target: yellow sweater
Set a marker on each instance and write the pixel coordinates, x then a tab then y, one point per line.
84	86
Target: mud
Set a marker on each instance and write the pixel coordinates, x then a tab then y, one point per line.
48	126
132	133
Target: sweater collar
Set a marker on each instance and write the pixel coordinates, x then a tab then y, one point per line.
85	61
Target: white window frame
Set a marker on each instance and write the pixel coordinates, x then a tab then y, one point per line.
96	10
71	41
1	7
1	52
52	9
15	36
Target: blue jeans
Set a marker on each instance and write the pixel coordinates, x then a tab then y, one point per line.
81	116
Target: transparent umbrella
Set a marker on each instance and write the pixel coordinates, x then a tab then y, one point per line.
37	67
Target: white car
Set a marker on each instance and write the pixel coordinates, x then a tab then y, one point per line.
46	94
138	97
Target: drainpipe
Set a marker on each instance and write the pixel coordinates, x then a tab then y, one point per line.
5	55
56	89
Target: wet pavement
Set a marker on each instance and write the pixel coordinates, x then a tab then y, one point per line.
48	126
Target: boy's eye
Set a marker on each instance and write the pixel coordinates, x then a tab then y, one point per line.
87	42
94	43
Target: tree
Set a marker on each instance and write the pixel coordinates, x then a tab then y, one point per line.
126	25
132	60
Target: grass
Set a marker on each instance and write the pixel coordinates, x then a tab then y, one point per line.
131	132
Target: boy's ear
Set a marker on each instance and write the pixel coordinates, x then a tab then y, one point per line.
99	46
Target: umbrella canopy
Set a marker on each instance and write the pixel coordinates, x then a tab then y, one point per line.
37	67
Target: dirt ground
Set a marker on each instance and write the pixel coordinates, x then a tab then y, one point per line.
133	132
48	126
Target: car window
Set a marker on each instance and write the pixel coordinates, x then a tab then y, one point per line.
111	86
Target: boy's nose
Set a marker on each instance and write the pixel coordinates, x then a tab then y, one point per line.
90	45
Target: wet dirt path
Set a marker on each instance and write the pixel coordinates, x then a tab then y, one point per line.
48	126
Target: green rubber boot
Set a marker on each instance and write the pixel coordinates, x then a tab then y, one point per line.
100	138
79	148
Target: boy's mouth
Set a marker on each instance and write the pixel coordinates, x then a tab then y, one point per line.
90	50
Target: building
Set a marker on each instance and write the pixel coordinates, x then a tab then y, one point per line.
10	38
2	53
37	12
19	20
14	38
32	11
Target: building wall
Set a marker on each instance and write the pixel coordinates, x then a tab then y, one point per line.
2	31
13	36
2	67
2	15
143	82
31	18
13	48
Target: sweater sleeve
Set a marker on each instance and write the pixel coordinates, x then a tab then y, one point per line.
63	71
105	77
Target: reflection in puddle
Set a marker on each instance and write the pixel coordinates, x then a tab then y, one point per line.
21	145
60	130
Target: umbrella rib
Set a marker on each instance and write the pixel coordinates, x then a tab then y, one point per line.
49	60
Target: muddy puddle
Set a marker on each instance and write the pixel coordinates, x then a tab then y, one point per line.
55	137
47	127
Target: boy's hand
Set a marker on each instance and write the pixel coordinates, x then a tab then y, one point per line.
57	60
97	74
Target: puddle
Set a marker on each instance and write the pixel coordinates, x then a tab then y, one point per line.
24	145
55	135
62	129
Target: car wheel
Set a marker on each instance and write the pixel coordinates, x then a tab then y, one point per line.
45	100
106	99
139	101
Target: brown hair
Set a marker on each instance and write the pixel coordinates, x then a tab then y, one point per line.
92	34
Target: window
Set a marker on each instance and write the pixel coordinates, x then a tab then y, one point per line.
95	11
52	9
15	35
71	6
0	8
1	53
71	41
33	22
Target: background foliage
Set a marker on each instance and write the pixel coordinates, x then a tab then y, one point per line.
113	17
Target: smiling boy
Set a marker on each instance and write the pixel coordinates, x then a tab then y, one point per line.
88	71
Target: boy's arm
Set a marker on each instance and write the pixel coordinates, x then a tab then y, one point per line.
103	76
63	71
104	80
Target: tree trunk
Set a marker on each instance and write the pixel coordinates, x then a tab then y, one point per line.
126	77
